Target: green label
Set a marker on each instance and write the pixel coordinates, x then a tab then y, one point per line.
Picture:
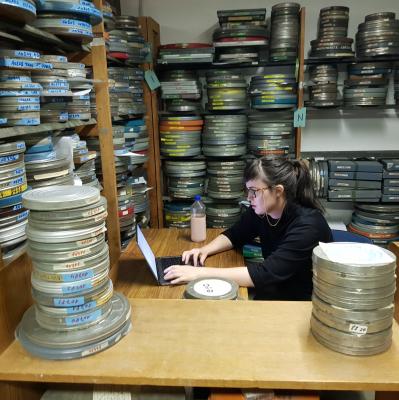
151	79
300	118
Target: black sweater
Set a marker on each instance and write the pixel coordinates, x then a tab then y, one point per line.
286	273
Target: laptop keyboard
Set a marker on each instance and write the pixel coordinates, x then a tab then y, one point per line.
167	262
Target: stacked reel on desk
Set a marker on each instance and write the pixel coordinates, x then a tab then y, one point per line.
353	302
76	312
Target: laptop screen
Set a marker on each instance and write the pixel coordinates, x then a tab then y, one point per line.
147	252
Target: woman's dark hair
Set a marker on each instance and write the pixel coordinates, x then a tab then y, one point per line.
292	174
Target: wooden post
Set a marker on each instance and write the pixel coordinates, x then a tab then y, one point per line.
151	33
104	129
301	76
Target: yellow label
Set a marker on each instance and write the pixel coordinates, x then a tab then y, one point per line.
13	191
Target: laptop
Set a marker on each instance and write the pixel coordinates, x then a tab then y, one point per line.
157	264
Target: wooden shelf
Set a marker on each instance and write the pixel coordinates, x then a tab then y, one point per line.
211	66
387	111
43	128
350	60
40	38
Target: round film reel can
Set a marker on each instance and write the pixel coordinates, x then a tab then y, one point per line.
211	289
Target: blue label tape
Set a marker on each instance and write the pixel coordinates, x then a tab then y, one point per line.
27	54
77	288
28	107
17	93
83	319
69	302
27	122
77	276
28	100
83	307
20	4
16	63
23	215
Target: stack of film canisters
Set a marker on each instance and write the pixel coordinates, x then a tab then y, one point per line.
353	303
133	202
186	179
48	171
20	11
177	215
222	216
133	154
323	89
378	36
180	135
126	203
270	136
108	16
19	93
378	222
39	148
126	91
66	26
355	180
56	92
135	43
43	166
211	289
332	40
136	135
367	84
181	91
390	182
274	91
226	90
80	106
13	216
84	160
136	81
117	45
284	32
224	136
187	53
319	174
241	37
225	180
93	104
77	14
76	312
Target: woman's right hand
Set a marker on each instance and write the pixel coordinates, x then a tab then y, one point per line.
199	256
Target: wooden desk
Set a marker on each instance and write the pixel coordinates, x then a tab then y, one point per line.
243	344
135	279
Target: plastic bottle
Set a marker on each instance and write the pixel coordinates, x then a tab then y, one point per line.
198	220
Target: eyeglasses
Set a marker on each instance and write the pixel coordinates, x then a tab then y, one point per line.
250	192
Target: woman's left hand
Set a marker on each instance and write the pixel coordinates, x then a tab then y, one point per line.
182	273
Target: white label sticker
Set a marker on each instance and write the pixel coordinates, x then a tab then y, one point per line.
358	330
212	287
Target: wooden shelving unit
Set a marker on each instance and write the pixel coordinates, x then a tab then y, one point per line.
300	65
151	32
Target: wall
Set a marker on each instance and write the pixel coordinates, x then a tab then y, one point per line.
194	21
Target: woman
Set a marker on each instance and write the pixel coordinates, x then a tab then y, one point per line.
286	216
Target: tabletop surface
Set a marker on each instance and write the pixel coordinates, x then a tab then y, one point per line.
217	344
135	279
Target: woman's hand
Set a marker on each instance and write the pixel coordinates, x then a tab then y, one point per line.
199	256
182	273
